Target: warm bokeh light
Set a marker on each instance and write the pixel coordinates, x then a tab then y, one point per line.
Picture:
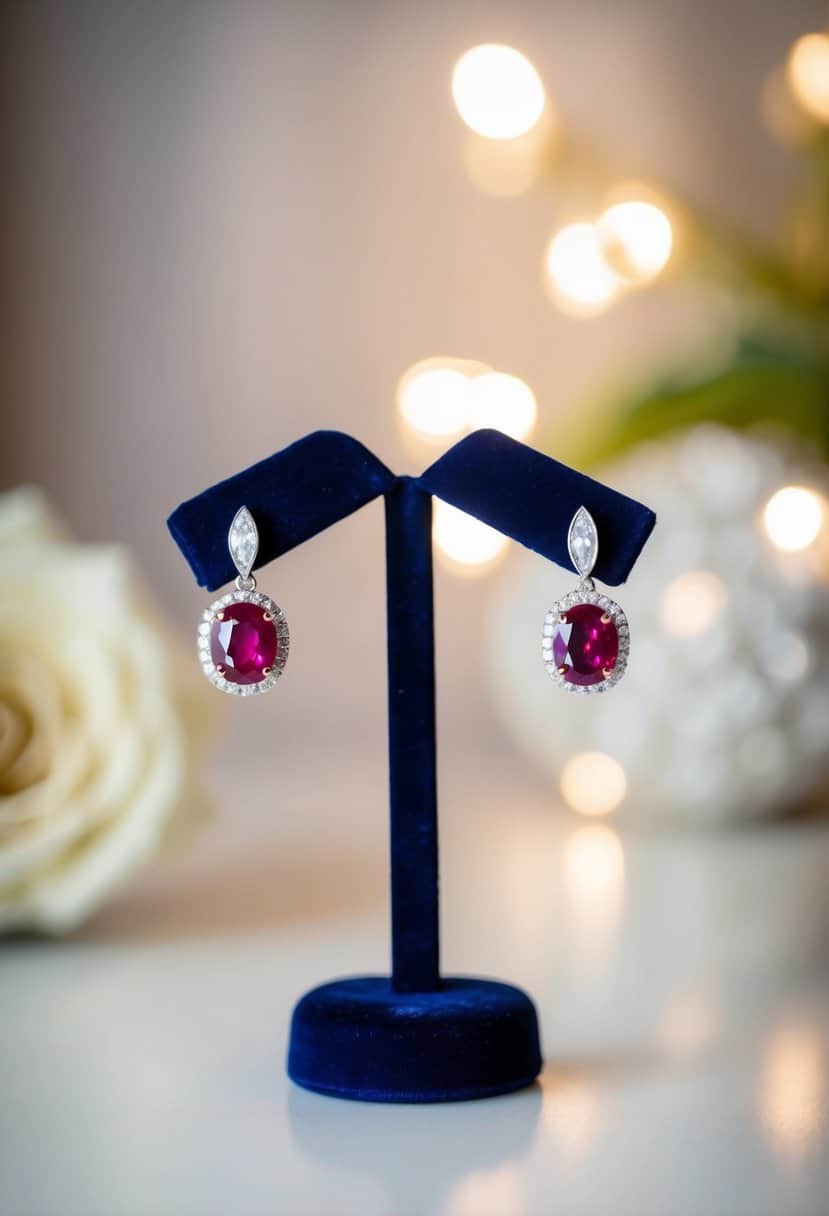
470	547
594	865
692	602
505	168
442	398
504	402
497	91
579	278
807	70
593	783
794	1090
793	517
593	882
433	399
571	1115
636	239
485	1192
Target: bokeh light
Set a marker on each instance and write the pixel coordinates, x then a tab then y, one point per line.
594	864
504	402
593	783
793	518
807	70
636	239
484	1192
466	545
578	276
692	602
433	399
794	1098
572	1115
593	880
497	91
442	398
505	168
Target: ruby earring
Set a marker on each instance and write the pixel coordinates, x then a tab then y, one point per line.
586	638
243	636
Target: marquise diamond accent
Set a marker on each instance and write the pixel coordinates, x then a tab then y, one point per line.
243	541
583	542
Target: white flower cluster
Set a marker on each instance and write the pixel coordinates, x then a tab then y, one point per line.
724	711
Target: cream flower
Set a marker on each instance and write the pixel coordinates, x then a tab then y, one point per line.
98	723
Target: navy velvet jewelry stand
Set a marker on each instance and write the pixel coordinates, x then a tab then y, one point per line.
414	1036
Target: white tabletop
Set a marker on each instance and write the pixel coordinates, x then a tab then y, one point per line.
681	982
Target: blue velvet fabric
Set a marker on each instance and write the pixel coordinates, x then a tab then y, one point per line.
532	498
359	1038
292	495
412	776
414	1037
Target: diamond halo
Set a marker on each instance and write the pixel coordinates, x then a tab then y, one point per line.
210	669
551	620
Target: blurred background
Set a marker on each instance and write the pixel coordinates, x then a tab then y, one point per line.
600	228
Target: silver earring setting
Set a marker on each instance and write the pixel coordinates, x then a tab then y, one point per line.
243	636
586	637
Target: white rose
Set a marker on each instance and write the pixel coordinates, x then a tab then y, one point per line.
99	723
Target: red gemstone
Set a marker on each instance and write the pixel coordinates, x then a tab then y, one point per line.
243	644
585	645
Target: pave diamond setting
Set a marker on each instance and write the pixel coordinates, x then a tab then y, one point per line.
573	657
253	661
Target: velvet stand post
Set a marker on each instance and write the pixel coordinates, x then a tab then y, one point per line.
413	1036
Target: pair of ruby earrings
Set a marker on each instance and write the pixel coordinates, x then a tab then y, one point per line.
243	636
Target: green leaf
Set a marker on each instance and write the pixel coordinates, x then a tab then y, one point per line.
761	385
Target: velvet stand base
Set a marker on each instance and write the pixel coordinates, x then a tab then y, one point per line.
361	1039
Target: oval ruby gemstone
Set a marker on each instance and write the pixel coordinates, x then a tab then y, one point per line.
243	643
585	645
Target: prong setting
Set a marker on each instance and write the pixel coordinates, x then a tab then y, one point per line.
216	673
557	615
